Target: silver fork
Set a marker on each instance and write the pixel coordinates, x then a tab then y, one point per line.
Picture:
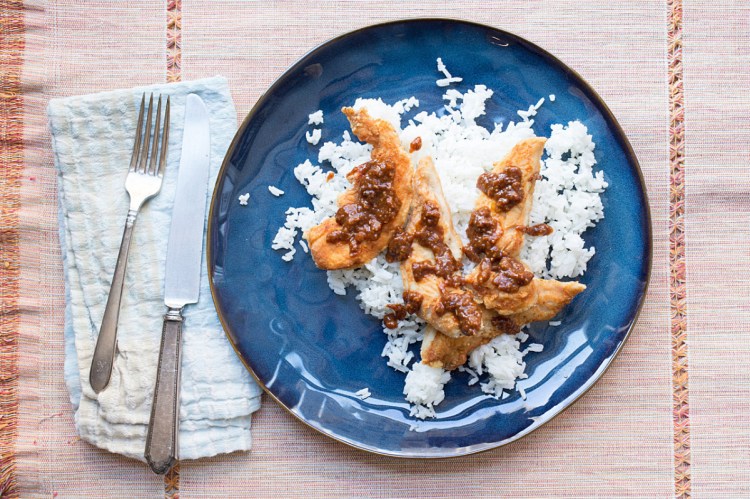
142	183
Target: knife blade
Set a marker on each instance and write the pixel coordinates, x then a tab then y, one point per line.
181	282
185	247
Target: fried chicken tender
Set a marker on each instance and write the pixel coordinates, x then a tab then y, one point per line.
374	207
428	195
440	350
551	297
526	156
503	300
510	294
501	281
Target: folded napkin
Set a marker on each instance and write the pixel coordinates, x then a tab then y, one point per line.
92	140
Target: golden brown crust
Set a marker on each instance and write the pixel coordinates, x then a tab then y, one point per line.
427	188
439	350
386	148
536	301
551	297
526	155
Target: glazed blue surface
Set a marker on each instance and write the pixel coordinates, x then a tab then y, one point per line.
312	349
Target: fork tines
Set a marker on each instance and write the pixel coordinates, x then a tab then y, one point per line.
145	152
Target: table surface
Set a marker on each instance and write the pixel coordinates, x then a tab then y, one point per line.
670	418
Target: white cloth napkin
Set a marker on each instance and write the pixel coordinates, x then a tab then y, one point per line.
92	140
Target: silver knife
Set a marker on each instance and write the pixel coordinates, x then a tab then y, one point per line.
181	282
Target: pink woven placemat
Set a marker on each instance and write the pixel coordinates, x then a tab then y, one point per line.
574	450
668	419
717	233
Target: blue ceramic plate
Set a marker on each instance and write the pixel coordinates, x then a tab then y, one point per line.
311	349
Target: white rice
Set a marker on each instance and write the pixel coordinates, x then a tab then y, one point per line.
314	136
424	389
363	393
533	347
502	360
567	198
275	190
244	198
315	118
449	78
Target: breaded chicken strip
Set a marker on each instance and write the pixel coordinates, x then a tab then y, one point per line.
508	191
374	207
496	234
510	294
434	261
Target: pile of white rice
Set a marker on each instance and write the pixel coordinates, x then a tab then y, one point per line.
567	198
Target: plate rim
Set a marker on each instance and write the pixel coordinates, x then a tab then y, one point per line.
629	153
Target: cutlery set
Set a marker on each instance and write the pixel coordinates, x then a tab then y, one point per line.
183	264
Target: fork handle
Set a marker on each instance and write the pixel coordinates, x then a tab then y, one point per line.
106	343
164	426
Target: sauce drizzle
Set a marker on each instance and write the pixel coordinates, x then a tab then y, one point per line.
505	187
399	247
464	309
376	205
536	230
430	234
412	303
483	232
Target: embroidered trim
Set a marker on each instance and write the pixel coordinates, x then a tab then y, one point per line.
677	288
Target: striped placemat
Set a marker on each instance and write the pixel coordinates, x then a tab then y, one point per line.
668	419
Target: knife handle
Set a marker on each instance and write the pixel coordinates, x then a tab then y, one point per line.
163	428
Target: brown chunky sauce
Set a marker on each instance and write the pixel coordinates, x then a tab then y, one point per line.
415	145
376	205
422	269
505	325
430	234
390	321
502	271
536	230
506	274
464	309
412	303
399	247
505	188
483	234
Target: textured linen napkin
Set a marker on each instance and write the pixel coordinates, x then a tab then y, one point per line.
92	140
